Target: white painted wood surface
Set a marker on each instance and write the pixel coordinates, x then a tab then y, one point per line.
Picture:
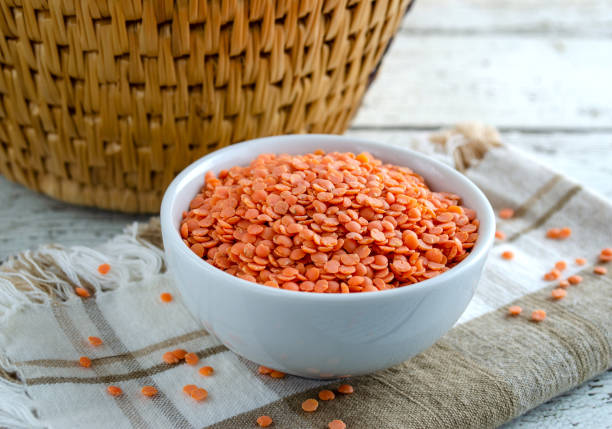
517	17
520	82
540	71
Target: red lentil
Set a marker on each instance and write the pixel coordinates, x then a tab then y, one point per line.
264	421
191	359
312	223
538	315
336	424
179	353
326	395
84	361
104	268
95	341
198	394
170	358
114	390
553	233
188	388
580	261
165	297
506	213
507	255
82	292
563	284
606	255
346	389
561	265
558	293
310	405
500	235
148	390
264	370
514	310
277	374
600	270
206	370
574	280
559	233
553	274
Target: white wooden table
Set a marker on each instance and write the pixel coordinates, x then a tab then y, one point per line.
540	71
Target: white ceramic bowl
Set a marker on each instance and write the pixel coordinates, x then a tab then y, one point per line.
322	335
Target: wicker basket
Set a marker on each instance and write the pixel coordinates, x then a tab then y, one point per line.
104	101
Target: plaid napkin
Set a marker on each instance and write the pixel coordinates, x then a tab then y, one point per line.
488	369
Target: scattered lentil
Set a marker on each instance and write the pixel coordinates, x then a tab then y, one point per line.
558	293
507	254
104	268
206	370
514	310
264	421
580	261
310	405
561	265
538	315
553	274
312	223
198	394
565	232
600	270
336	424
606	255
345	389
574	280
188	388
179	353
84	361
264	370
170	358
114	390
148	390
82	292
277	374
165	297
500	235
326	395
95	341
559	233
506	213
563	284
191	359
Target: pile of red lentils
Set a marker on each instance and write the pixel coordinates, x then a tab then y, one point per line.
327	223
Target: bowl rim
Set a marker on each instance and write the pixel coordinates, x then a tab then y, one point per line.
479	251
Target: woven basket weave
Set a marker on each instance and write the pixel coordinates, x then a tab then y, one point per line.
104	101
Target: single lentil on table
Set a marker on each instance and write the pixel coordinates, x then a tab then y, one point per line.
327	223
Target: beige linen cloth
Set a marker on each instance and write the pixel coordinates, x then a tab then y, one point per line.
488	369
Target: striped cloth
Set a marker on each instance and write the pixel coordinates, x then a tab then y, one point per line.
488	369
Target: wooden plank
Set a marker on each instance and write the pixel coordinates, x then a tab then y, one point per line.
566	17
514	82
29	219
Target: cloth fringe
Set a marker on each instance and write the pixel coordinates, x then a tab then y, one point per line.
52	272
467	143
16	407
